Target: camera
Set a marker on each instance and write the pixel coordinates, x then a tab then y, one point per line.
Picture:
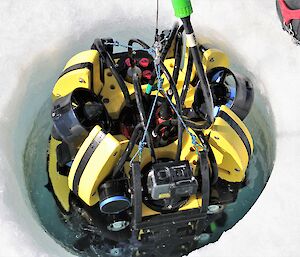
171	180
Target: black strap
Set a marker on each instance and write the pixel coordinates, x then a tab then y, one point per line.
79	66
137	194
237	129
85	159
205	181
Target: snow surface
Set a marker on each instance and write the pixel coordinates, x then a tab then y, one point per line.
37	37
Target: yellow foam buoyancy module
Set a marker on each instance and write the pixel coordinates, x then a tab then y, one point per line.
94	161
232	145
82	70
213	58
59	182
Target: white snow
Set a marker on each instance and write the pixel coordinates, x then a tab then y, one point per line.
35	37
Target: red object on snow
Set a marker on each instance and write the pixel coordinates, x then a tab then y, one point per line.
287	14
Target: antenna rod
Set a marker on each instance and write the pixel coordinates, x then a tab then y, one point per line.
156	26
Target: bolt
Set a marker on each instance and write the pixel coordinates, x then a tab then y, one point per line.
106	100
81	80
154	134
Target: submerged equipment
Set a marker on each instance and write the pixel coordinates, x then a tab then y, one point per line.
289	15
149	144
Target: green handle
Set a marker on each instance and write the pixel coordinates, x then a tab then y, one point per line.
182	8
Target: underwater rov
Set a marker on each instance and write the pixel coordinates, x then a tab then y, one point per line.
148	145
289	15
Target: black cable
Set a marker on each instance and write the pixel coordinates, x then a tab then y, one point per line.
139	103
205	88
170	40
133	139
178	54
178	107
130	50
187	79
166	123
111	64
196	125
193	125
137	41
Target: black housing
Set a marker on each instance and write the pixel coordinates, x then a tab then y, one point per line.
174	179
113	198
75	114
244	95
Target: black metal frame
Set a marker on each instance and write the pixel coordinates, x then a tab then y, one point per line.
169	219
